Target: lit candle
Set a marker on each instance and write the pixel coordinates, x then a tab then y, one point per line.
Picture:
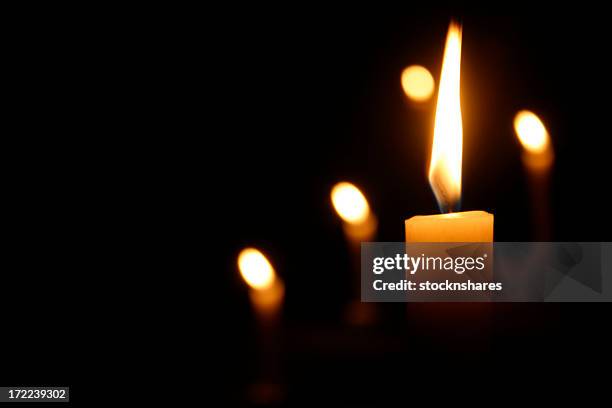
359	224
266	292
358	221
538	157
449	322
445	164
537	150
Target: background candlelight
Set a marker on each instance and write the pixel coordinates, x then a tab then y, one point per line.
266	292
359	224
537	159
418	83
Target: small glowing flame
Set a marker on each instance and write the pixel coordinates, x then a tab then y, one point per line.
531	132
418	83
445	164
350	203
255	268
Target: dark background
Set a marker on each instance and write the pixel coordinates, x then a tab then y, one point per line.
311	98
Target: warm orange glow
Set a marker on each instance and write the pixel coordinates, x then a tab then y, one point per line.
418	83
255	269
445	164
531	132
350	203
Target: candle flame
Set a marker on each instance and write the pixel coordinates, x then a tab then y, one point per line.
445	164
350	203
255	269
418	83
531	132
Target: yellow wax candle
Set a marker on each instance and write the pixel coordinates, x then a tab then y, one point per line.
444	320
469	226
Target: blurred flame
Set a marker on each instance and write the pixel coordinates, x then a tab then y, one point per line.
445	164
350	203
255	268
531	132
418	83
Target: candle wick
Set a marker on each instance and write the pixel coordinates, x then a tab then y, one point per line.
449	207
448	202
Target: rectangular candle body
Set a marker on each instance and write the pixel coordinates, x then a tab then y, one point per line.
469	226
462	227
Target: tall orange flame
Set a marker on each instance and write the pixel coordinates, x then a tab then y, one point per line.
445	164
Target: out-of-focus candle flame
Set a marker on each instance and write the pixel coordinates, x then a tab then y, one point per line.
531	132
445	164
418	83
255	268
350	203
